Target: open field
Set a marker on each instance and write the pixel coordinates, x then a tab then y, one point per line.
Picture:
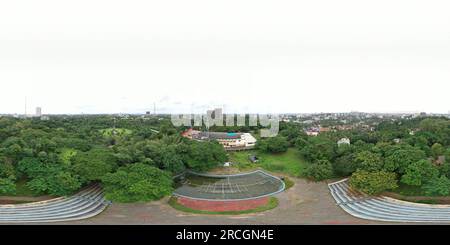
290	162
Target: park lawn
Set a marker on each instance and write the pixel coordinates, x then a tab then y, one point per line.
23	190
289	162
273	203
408	190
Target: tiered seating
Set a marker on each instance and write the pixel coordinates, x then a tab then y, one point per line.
85	204
385	208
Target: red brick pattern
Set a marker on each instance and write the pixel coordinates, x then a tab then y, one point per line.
223	206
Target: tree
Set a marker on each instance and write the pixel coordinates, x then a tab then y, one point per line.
276	144
369	161
202	156
56	184
373	183
292	134
437	150
344	165
438	186
419	173
7	170
320	170
63	183
33	167
444	169
94	164
171	160
399	157
319	148
137	182
7	186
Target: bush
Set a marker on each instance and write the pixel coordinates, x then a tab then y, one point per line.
137	182
373	182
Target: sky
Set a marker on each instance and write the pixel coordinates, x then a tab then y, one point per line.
258	56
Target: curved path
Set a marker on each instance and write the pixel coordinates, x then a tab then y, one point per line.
385	208
85	204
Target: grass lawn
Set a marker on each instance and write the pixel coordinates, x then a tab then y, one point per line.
288	183
407	190
23	190
273	203
289	162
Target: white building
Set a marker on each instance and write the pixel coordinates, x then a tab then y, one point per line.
229	141
38	112
248	139
345	141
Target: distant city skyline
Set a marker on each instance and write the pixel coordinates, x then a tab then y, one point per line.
177	108
260	57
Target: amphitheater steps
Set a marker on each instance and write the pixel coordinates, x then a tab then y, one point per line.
87	203
385	208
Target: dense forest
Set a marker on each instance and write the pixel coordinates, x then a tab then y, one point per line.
134	157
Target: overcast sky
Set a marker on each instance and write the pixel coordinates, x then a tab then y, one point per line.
106	56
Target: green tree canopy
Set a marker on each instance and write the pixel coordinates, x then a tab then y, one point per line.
369	161
202	156
373	183
399	157
137	182
321	170
437	150
94	164
419	172
437	186
7	186
276	144
319	148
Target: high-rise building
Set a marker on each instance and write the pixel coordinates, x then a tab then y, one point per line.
217	113
38	112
